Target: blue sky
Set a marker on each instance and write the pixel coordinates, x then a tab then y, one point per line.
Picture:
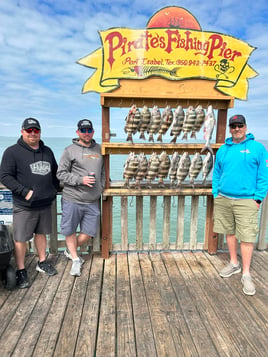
41	40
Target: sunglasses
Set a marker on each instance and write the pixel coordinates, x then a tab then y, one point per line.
233	126
30	130
84	130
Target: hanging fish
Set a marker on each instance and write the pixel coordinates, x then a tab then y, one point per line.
130	168
209	125
132	122
173	168
145	121
164	164
207	166
183	168
189	121
142	169
154	124
153	166
177	123
195	167
166	120
200	118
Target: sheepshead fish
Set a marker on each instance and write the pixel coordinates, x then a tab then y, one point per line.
130	168
166	120
207	166
183	168
189	121
173	168
154	124
142	169
209	125
164	164
200	117
132	122
153	166
177	123
195	167
144	122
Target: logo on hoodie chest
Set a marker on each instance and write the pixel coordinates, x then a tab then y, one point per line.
40	168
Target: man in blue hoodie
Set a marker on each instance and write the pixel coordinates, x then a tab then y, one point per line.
239	184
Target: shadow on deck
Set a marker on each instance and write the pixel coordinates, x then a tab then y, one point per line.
137	304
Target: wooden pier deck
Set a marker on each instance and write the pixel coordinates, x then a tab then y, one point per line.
137	304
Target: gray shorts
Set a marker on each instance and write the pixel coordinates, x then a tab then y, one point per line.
239	217
28	222
84	215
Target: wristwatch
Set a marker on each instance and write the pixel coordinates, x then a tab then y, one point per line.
258	201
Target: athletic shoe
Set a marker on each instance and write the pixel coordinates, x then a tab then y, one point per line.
248	286
45	267
69	256
229	270
76	267
22	281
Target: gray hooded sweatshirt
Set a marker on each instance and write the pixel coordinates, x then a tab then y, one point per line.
76	162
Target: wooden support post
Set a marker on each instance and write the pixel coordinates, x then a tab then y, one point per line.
106	235
211	238
106	227
263	225
53	243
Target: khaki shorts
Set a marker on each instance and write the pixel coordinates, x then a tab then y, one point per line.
239	217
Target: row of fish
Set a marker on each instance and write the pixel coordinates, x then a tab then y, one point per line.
153	122
139	168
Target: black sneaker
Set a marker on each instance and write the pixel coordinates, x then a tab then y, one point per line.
22	281
45	267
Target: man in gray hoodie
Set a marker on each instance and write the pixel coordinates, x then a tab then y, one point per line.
81	170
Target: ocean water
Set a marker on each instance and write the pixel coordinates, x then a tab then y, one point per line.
116	173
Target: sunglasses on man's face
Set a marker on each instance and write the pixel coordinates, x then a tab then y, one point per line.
84	130
30	130
234	126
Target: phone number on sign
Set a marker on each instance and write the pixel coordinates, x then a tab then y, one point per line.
195	63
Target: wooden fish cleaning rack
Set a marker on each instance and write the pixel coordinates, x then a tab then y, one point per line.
160	92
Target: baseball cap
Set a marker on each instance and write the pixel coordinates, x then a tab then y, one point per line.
31	123
84	123
237	119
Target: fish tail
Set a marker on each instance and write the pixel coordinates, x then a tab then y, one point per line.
193	136
129	137
151	138
185	136
142	136
208	148
174	139
159	138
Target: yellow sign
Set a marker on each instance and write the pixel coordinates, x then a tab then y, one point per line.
171	53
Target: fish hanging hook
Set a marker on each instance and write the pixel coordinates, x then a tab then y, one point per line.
173	201
204	201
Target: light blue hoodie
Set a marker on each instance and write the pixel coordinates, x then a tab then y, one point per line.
241	170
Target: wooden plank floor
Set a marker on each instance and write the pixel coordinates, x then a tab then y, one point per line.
137	304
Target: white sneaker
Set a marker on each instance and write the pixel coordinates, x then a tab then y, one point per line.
69	256
76	267
248	286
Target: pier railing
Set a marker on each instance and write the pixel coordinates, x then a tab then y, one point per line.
163	219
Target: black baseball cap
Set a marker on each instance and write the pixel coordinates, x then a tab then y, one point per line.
237	119
84	123
31	123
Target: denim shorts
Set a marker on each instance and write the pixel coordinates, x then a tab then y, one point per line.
239	217
84	215
28	222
